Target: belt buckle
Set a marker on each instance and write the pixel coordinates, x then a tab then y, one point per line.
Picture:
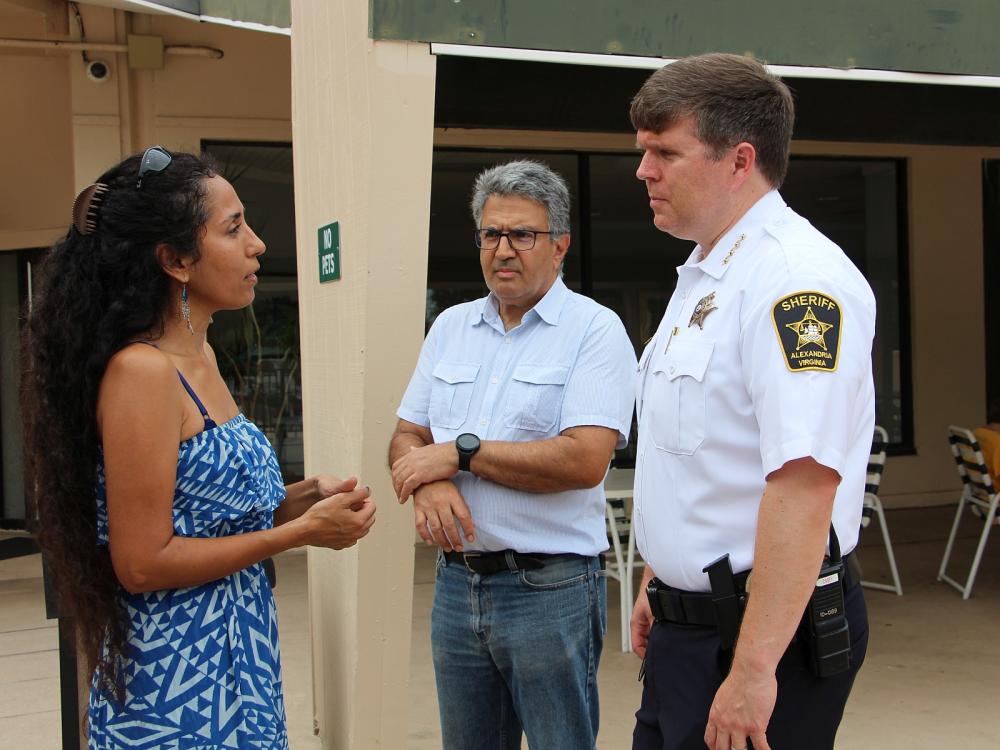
467	556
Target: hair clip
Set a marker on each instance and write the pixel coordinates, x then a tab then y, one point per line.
86	207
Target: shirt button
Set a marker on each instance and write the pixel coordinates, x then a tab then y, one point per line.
494	380
672	369
482	422
506	340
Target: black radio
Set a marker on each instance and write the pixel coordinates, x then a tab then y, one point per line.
828	636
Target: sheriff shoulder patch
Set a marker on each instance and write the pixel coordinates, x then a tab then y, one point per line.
808	328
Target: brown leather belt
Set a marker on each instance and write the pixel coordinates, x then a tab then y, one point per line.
488	563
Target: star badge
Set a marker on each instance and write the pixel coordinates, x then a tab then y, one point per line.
810	330
808	325
705	305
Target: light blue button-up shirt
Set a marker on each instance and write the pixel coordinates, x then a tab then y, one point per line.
568	364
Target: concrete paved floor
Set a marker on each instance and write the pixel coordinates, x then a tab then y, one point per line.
931	680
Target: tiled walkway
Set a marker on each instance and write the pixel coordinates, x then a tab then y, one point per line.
932	678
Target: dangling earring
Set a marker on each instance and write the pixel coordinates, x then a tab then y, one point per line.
186	308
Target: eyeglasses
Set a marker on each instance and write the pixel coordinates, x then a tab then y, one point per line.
518	239
154	159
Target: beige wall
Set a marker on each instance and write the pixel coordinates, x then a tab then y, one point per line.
36	188
244	96
68	129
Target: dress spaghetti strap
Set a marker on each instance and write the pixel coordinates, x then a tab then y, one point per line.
209	422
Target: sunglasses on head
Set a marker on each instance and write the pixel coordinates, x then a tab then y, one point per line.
154	159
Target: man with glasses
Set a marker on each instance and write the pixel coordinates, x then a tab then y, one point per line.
756	409
505	433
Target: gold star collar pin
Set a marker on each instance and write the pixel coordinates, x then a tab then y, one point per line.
705	305
733	249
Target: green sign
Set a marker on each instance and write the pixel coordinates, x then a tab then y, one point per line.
329	252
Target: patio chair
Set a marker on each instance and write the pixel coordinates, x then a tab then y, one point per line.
618	490
873	507
978	494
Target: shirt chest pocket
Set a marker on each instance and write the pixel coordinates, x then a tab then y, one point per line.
535	397
451	393
675	401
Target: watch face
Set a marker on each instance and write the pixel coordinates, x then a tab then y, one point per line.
467	442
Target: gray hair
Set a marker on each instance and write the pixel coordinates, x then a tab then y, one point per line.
526	179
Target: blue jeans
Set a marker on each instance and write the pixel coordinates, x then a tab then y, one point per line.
518	651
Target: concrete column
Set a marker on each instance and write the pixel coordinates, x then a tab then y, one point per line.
362	123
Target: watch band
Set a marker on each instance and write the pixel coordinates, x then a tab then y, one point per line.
467	444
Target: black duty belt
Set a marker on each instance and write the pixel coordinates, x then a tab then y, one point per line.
696	608
488	563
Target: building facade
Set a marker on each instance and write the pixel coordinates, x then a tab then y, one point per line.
379	118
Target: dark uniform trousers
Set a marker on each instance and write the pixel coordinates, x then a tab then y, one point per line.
684	669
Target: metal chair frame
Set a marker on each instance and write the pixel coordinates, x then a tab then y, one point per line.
622	538
873	506
978	494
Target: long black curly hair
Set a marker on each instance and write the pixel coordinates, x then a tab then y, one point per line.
94	294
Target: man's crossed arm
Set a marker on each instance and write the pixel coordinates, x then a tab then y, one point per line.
577	458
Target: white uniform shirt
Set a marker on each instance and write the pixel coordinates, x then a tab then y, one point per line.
568	364
779	369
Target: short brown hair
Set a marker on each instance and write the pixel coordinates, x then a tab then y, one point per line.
732	99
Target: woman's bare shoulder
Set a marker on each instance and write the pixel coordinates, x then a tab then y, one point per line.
138	374
142	364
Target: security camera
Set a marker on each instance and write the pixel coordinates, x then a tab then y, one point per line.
98	71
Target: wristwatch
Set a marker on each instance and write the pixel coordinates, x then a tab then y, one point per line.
468	446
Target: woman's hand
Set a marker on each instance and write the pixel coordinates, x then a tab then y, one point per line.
327	485
343	515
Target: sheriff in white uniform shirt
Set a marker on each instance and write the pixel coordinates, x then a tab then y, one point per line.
756	411
763	356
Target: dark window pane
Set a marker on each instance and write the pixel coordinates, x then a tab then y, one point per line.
634	263
258	347
858	203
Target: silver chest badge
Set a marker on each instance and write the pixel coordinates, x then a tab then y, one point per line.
705	305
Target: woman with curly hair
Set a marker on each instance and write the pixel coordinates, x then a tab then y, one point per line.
156	499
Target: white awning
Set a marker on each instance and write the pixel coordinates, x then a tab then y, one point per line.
651	63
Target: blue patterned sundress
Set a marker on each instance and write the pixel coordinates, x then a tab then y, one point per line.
204	668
